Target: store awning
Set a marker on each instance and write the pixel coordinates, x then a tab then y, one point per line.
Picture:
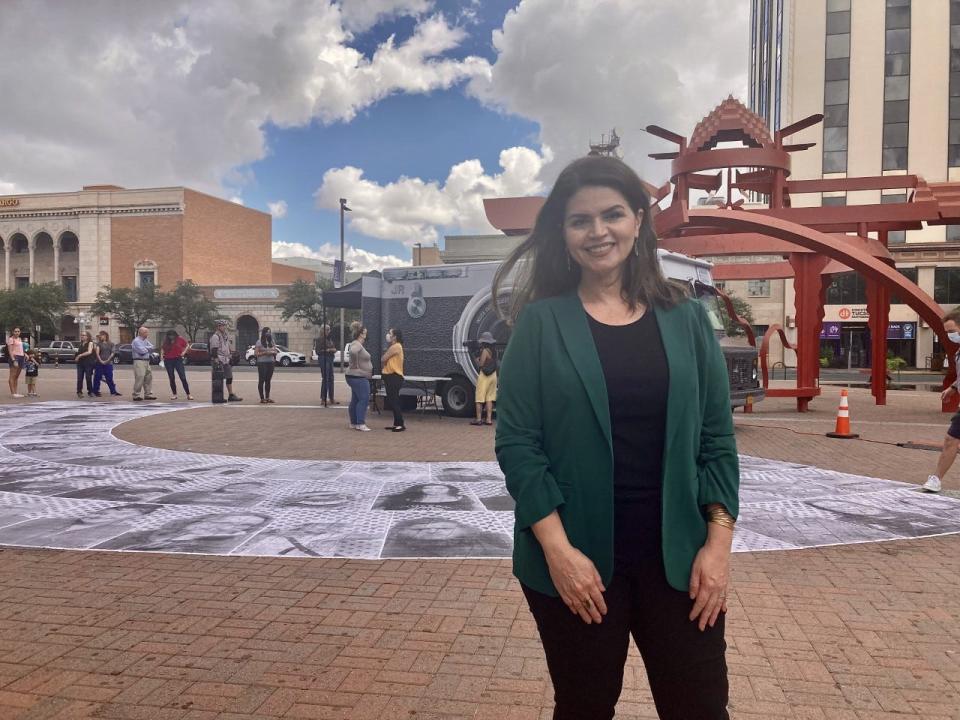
346	297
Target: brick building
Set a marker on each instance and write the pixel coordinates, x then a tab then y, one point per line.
107	235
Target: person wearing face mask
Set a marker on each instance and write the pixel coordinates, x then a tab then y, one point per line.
951	443
393	376
266	353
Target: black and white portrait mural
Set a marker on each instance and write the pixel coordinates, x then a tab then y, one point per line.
67	482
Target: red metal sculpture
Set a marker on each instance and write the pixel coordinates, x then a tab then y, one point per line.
815	241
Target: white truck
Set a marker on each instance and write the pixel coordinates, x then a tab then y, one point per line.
442	309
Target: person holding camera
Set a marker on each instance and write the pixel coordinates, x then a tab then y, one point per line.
486	392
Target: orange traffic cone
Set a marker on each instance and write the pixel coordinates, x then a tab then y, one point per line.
843	420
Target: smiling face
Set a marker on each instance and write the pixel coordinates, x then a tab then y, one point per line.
600	229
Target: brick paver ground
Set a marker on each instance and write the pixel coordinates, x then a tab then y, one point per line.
844	633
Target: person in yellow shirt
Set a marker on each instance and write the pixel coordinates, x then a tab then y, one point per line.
393	376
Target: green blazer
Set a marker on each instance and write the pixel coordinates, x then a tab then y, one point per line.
554	445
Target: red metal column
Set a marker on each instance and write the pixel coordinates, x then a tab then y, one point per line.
878	306
808	289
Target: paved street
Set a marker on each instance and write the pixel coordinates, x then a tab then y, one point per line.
854	631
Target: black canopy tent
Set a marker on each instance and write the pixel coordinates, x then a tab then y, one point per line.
347	297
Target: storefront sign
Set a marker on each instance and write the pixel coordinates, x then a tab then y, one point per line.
104	320
9	202
246	294
895	330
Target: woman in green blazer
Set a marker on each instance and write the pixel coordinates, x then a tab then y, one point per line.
616	439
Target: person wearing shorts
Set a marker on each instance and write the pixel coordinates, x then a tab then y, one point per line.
486	392
17	360
951	443
32	368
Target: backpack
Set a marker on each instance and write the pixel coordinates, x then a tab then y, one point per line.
490	367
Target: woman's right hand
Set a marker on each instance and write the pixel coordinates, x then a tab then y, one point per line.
578	582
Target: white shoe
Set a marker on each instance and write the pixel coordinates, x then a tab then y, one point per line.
352	426
932	484
17	395
363	428
173	397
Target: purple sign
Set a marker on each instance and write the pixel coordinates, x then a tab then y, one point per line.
830	331
895	330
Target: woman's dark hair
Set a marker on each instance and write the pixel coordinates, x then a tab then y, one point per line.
266	337
546	270
397	335
357	329
168	339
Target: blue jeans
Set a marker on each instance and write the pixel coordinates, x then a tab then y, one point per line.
326	376
176	365
103	372
359	399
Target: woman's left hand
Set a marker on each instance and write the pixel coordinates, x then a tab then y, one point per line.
709	580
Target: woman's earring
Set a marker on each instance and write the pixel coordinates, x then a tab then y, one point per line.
636	246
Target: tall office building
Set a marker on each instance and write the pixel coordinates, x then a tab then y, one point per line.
886	76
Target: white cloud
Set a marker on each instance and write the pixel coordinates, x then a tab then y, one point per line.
357	259
412	210
166	93
582	67
236	200
360	15
278	209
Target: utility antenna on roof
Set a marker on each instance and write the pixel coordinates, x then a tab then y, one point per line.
607	147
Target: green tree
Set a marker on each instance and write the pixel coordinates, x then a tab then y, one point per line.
743	309
187	307
304	301
40	304
132	307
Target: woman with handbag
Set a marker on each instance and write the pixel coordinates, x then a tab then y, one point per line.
174	348
486	392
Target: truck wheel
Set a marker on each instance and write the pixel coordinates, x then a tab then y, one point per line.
252	362
457	397
285	362
44	358
116	359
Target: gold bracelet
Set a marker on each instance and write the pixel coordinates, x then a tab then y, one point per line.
718	514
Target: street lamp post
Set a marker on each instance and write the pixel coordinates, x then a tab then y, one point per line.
343	277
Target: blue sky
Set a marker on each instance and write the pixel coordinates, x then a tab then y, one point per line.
414	110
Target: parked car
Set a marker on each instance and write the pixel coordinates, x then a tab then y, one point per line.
62	350
197	354
315	359
124	354
284	357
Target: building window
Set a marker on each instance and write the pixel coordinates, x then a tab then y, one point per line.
896	85
834	200
953	233
22	282
910	273
953	150
758	288
70	287
895	237
946	285
847	288
720	285
20	244
766	59
836	88
146	278
282	338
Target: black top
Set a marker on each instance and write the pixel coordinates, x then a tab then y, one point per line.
637	377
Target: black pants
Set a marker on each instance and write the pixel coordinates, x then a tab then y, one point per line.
392	383
176	365
264	376
686	668
84	374
326	377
